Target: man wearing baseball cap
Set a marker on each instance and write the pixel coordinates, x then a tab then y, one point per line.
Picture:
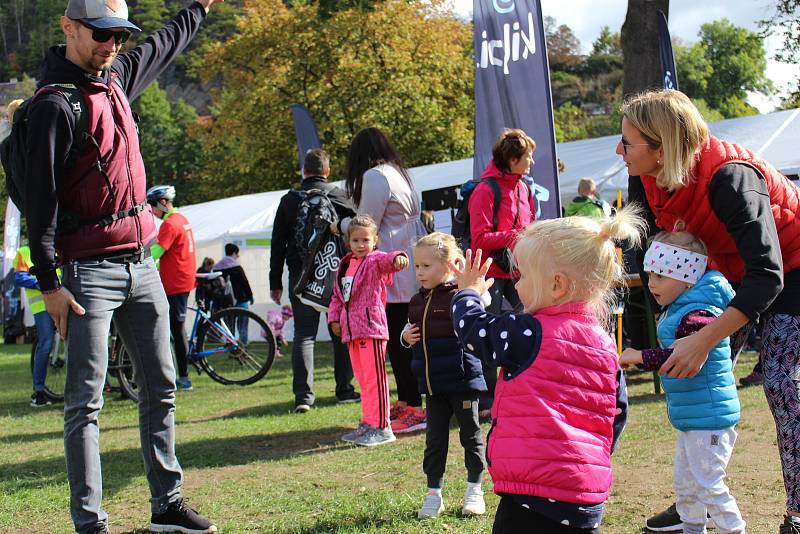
85	206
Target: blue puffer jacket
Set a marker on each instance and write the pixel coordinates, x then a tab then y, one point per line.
707	401
438	360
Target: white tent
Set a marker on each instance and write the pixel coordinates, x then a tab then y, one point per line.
247	220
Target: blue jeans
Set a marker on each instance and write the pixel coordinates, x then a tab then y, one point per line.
243	322
45	334
132	294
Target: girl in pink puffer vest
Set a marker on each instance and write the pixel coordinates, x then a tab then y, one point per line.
357	313
560	403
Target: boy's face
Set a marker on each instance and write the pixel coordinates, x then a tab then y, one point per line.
665	289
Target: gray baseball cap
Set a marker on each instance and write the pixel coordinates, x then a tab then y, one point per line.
100	14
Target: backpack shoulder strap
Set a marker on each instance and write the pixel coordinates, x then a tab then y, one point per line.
497	197
77	104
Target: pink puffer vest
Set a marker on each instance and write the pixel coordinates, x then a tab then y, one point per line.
552	425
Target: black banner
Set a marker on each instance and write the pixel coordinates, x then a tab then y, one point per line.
670	75
305	130
512	90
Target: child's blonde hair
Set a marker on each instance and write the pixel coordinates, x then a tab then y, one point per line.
362	221
582	248
684	240
444	247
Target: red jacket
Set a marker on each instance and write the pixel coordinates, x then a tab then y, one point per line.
691	205
85	192
481	205
177	265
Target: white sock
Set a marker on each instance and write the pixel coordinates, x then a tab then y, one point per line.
473	485
435	491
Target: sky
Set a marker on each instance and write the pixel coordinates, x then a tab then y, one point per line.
587	17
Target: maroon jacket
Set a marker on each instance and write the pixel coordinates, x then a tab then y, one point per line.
52	190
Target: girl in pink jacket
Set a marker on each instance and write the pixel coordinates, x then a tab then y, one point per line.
357	313
560	401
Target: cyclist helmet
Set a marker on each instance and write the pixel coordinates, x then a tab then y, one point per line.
157	192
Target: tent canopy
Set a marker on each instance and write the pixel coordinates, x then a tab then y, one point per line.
774	136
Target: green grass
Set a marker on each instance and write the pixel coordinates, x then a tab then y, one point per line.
253	466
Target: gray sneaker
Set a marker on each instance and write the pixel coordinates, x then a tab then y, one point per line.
351	436
432	506
375	436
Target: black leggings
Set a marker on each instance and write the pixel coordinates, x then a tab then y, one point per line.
400	357
181	347
512	518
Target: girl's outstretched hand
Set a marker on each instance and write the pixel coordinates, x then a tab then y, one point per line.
473	274
400	263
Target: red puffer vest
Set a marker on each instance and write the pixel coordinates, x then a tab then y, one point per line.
553	425
84	191
691	205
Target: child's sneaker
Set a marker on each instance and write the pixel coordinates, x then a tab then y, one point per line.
473	501
790	526
375	436
40	400
432	506
412	420
183	383
351	436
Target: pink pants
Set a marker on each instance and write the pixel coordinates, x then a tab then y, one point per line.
368	357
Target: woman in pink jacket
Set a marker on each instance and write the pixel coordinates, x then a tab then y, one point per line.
494	229
357	314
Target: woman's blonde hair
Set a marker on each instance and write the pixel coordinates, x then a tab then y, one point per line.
583	248
668	119
684	240
362	221
444	247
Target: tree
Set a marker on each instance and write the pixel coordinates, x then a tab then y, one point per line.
785	20
739	61
563	46
723	67
405	66
639	39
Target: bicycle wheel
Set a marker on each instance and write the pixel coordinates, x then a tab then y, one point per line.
121	366
245	342
56	369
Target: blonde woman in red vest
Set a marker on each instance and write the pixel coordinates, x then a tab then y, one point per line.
746	213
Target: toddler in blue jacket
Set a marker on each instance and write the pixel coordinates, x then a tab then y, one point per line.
703	408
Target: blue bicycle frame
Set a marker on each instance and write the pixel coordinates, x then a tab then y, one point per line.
231	341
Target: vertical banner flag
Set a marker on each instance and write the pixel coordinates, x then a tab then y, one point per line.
670	75
10	246
305	130
512	90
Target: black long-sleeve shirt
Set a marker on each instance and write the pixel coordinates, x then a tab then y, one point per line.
51	125
739	198
283	247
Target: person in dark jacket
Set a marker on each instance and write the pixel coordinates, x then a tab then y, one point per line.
233	272
89	215
316	169
450	378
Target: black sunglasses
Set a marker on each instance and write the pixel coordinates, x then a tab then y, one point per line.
101	36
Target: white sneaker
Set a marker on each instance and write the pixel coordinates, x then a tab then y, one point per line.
432	506
473	501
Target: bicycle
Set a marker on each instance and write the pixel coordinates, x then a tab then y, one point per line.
119	366
222	344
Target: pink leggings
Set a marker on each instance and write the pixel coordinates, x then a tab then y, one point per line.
368	357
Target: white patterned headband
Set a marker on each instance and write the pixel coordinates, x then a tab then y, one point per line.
675	262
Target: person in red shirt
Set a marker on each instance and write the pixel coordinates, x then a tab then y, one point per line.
175	251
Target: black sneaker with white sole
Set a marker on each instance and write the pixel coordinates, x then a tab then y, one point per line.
669	521
178	517
40	400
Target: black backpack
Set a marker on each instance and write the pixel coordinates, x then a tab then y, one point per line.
13	149
315	213
460	227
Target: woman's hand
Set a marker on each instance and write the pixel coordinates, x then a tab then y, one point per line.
630	357
400	263
411	335
473	274
688	356
336	328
